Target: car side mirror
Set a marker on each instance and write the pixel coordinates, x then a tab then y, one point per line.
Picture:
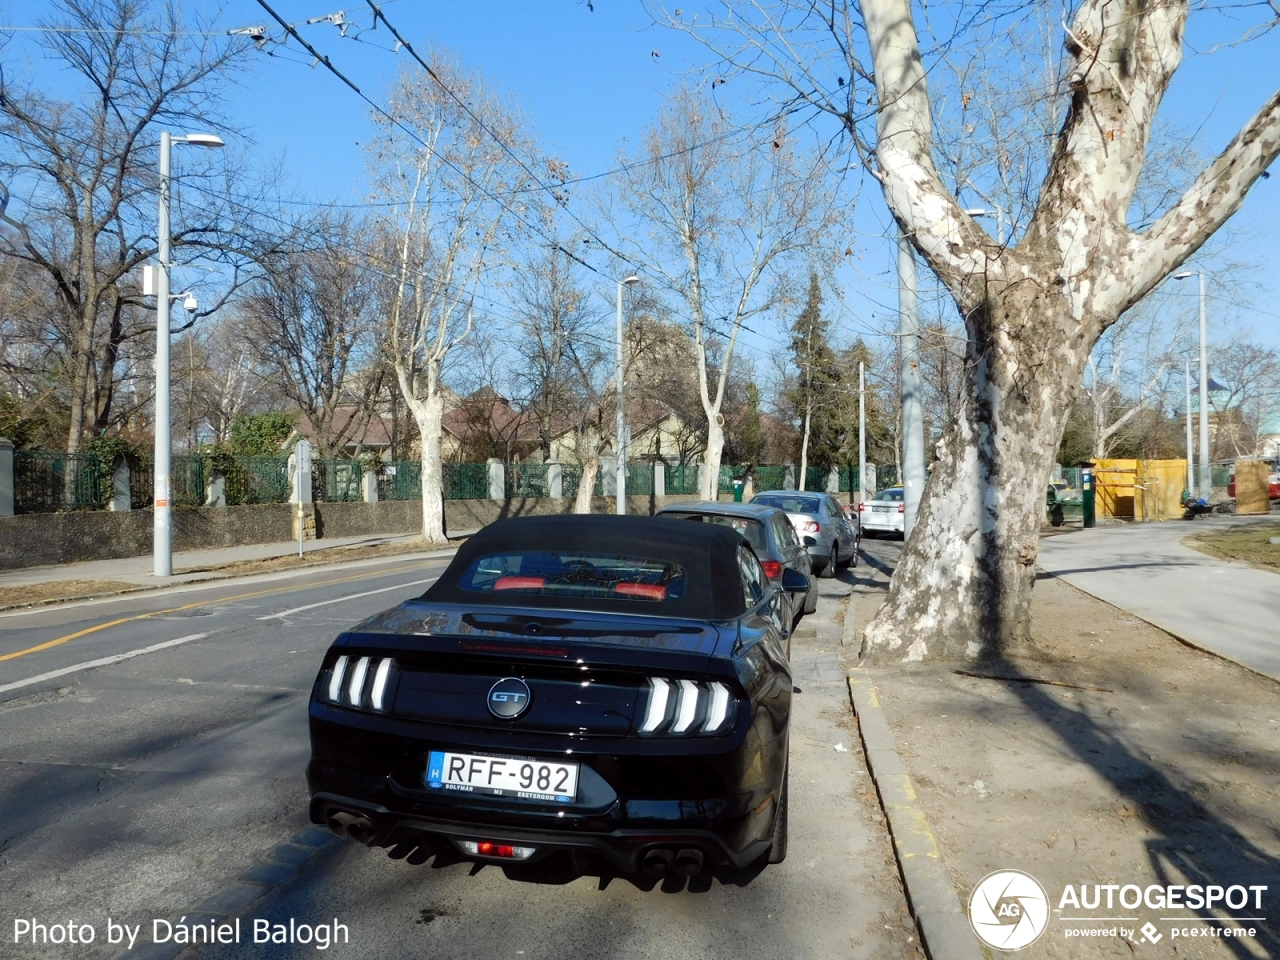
793	581
810	542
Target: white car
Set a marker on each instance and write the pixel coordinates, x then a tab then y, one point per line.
886	512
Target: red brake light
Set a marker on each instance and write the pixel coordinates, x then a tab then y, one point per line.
811	527
488	849
902	508
772	569
519	583
862	508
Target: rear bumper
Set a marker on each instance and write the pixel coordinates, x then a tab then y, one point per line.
623	849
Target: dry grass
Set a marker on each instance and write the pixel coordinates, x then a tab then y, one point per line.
1251	544
37	594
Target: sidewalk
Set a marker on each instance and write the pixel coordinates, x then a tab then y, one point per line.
1227	608
189	565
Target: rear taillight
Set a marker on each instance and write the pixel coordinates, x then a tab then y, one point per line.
485	848
772	569
902	508
810	526
365	683
686	708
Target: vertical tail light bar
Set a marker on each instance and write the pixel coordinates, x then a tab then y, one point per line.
659	691
335	679
718	710
356	691
686	706
379	691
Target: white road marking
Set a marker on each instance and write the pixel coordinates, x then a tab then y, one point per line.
104	662
350	596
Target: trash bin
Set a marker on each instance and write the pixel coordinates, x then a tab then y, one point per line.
738	484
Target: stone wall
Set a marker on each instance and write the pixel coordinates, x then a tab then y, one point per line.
40	539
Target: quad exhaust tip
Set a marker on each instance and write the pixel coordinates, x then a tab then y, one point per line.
687	863
657	862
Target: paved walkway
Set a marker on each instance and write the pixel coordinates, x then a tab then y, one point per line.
188	565
1229	608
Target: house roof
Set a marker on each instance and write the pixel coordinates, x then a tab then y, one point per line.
486	413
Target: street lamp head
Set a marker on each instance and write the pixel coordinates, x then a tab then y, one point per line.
978	212
630	280
201	140
1184	274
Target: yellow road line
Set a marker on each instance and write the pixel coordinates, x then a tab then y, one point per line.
199	603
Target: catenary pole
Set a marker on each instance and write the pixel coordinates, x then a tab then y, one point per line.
1206	481
862	434
162	513
1191	454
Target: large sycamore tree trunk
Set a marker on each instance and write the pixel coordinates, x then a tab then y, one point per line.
1033	313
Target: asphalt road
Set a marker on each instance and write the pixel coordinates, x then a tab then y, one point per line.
141	788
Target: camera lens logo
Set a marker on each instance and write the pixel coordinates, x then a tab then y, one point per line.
1008	910
508	698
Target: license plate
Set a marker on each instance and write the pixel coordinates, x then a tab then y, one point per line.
881	509
491	776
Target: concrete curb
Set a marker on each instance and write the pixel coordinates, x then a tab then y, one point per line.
944	930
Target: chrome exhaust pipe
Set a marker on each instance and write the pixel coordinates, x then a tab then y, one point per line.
688	863
656	862
361	830
340	822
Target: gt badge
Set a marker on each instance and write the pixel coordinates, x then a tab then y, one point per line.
508	698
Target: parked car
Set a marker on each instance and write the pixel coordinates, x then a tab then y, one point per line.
1273	485
596	685
819	518
770	534
886	512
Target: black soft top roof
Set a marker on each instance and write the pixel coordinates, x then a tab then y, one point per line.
706	552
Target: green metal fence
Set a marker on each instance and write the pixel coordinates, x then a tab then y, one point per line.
400	480
49	482
527	480
337	481
769	477
682	478
640	479
1220	473
466	481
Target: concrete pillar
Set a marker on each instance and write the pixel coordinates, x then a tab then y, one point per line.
555	480
659	478
833	481
497	479
789	478
6	477
216	495
369	486
869	479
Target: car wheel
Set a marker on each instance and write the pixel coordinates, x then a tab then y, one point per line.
811	600
829	568
778	844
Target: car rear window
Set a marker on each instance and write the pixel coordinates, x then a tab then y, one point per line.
750	530
575	574
894	495
790	504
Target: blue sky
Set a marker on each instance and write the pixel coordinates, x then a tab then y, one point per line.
588	81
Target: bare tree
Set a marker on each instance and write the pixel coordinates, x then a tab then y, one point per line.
456	190
719	217
86	172
309	322
1032	310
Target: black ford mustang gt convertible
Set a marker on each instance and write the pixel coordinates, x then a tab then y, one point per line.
616	686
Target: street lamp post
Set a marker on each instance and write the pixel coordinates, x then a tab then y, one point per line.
1191	477
621	449
162	520
1206	481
